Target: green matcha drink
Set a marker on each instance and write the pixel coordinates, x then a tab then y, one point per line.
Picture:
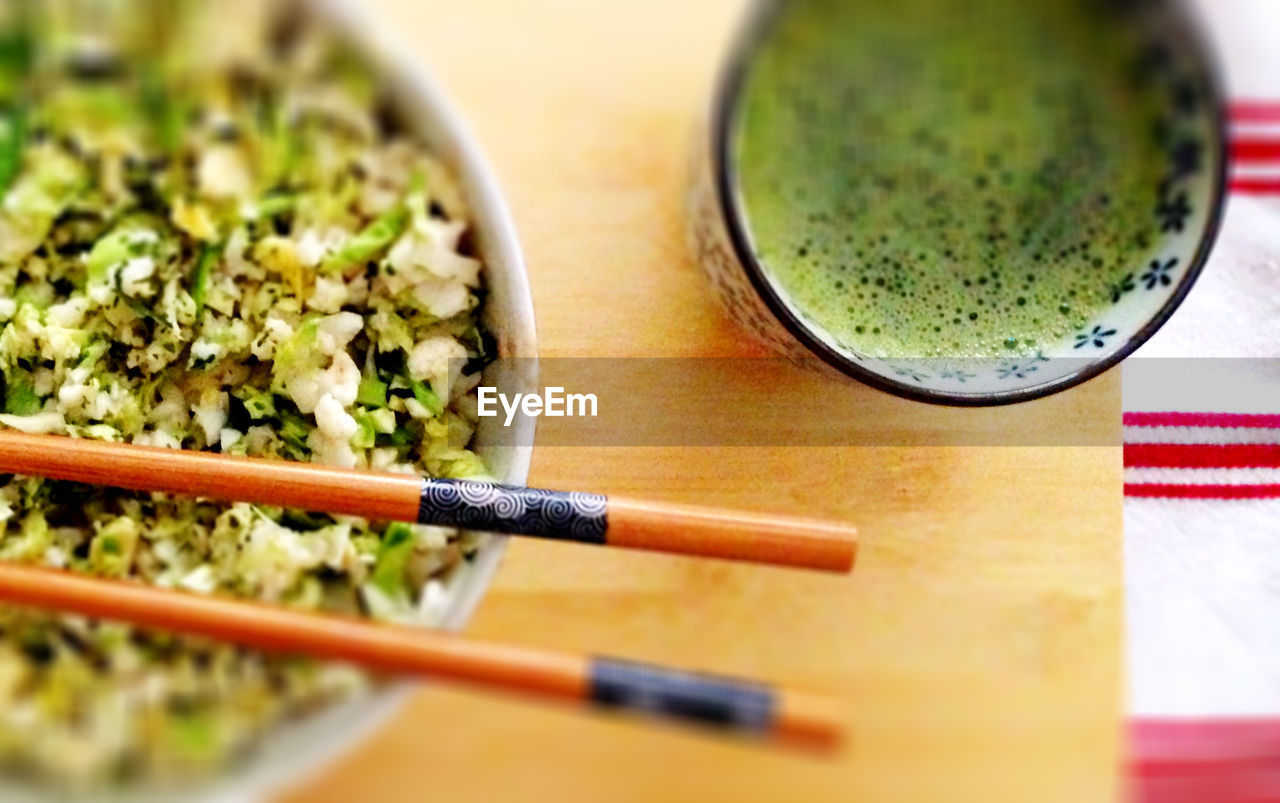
947	178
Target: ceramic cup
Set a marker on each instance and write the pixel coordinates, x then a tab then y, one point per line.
1185	210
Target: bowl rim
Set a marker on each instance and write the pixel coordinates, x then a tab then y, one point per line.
733	218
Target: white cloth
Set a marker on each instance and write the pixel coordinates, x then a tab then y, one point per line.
1203	575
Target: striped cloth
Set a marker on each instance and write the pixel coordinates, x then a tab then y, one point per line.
1202	531
1179	455
1202	477
1255	147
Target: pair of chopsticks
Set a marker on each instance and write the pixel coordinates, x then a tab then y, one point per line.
730	704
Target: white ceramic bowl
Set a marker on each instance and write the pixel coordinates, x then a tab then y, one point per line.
290	753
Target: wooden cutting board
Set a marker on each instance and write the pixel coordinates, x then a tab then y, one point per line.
978	642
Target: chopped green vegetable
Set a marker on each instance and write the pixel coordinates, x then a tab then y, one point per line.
367	432
371	241
165	111
17	50
296	355
372	391
12	140
92	352
260	404
273	205
384	420
34	537
112	549
194	734
39	296
112	250
393	558
401	437
20	398
427	397
294	429
209	255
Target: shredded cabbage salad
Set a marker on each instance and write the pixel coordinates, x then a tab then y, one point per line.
227	246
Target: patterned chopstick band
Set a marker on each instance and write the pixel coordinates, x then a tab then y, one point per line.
703	699
564	515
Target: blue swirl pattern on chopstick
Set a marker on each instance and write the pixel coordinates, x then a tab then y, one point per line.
565	515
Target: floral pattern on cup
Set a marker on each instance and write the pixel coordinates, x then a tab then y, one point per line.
1185	212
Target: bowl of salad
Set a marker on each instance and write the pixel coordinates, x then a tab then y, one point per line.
276	241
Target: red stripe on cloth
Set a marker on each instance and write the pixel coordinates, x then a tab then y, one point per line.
1179	419
1249	149
1254	111
1158	743
1202	455
1252	784
1169	490
1204	761
1254	186
1253	149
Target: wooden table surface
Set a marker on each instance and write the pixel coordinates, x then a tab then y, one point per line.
978	642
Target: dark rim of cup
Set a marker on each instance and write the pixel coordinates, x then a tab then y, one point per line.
733	218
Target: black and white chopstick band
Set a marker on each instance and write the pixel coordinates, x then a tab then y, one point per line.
564	515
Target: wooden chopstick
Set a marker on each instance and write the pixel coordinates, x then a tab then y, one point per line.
729	704
573	516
